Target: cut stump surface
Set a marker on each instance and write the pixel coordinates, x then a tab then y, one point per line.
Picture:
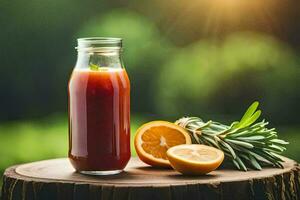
56	179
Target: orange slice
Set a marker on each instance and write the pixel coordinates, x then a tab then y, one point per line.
195	159
153	139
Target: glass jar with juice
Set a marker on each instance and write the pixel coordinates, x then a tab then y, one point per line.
99	108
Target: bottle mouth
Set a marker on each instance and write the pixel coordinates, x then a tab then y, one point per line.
99	44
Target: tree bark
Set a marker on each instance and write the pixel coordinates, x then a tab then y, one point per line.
56	179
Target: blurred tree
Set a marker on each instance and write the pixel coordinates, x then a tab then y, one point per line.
144	50
37	53
185	22
37	40
219	77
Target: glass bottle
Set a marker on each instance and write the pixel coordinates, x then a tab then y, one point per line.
99	108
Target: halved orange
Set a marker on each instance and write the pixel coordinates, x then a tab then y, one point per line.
195	159
153	139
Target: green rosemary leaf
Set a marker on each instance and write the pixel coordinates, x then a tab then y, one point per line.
210	132
256	137
272	136
272	150
202	141
278	164
242	133
247	131
244	144
252	119
218	127
234	124
275	147
211	141
269	159
224	144
245	150
242	165
194	137
259	158
248	114
251	160
263	123
256	143
244	156
254	162
268	156
277	156
252	108
278	141
236	164
271	130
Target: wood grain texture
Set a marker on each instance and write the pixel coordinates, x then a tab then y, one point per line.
56	179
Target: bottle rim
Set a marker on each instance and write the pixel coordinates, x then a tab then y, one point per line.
99	44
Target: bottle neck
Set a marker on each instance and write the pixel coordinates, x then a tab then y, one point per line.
103	59
99	52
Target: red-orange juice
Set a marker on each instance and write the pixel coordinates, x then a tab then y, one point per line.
99	119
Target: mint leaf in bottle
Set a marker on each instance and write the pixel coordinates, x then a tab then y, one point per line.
94	67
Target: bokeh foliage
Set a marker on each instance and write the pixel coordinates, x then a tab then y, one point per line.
145	50
217	77
182	57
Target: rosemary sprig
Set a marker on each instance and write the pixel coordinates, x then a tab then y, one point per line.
245	143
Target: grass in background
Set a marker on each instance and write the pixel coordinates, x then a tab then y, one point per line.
27	141
292	135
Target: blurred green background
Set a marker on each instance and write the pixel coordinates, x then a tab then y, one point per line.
208	58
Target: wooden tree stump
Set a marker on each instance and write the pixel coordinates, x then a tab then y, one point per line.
56	179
